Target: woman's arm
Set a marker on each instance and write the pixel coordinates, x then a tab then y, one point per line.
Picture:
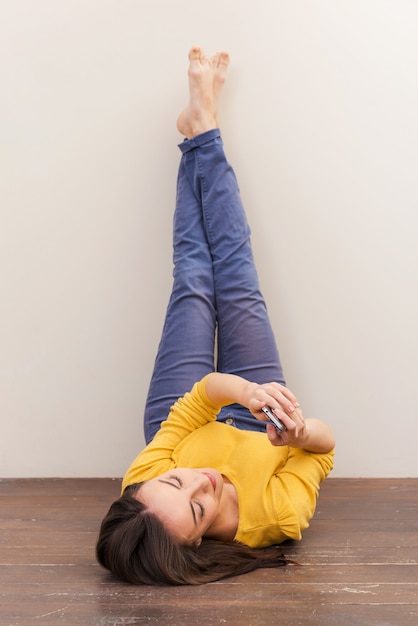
314	436
190	412
224	389
310	434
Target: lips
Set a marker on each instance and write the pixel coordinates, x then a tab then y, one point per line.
212	480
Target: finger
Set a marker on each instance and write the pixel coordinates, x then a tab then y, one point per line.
284	397
287	393
275	438
295	425
294	419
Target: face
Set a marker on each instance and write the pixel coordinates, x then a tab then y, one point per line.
185	500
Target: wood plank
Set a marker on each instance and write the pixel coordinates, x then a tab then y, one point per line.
358	563
314	604
351	574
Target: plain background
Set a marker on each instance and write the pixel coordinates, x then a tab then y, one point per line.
320	123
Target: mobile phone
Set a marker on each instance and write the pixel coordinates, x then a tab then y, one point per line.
272	417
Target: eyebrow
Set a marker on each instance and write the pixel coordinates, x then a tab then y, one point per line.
167	482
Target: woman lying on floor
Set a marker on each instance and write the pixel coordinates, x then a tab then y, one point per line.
216	489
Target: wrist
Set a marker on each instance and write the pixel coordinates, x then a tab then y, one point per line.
249	394
304	443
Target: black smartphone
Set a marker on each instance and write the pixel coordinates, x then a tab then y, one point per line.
272	417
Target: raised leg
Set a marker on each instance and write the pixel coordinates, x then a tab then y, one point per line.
186	350
215	279
246	344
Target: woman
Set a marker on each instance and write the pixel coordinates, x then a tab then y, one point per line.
216	489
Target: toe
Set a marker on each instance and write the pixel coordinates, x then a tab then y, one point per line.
223	59
195	53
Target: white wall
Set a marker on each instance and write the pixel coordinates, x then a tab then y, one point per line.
320	122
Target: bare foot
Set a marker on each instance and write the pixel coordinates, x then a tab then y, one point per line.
220	62
206	77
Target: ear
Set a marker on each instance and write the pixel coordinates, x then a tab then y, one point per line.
197	543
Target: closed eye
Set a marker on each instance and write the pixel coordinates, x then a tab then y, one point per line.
177	479
199	506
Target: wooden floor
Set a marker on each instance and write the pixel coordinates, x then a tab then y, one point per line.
358	563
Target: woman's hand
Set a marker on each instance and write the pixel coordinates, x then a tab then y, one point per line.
295	434
286	408
310	434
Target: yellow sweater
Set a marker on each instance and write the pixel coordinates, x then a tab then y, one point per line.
277	487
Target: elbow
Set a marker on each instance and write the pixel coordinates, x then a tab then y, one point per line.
328	444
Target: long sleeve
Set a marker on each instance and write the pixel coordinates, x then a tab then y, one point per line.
300	479
279	504
189	413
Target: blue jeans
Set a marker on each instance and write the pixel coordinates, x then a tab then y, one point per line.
216	318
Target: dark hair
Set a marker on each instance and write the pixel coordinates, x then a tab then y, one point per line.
134	545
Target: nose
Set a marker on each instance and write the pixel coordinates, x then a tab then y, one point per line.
199	485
